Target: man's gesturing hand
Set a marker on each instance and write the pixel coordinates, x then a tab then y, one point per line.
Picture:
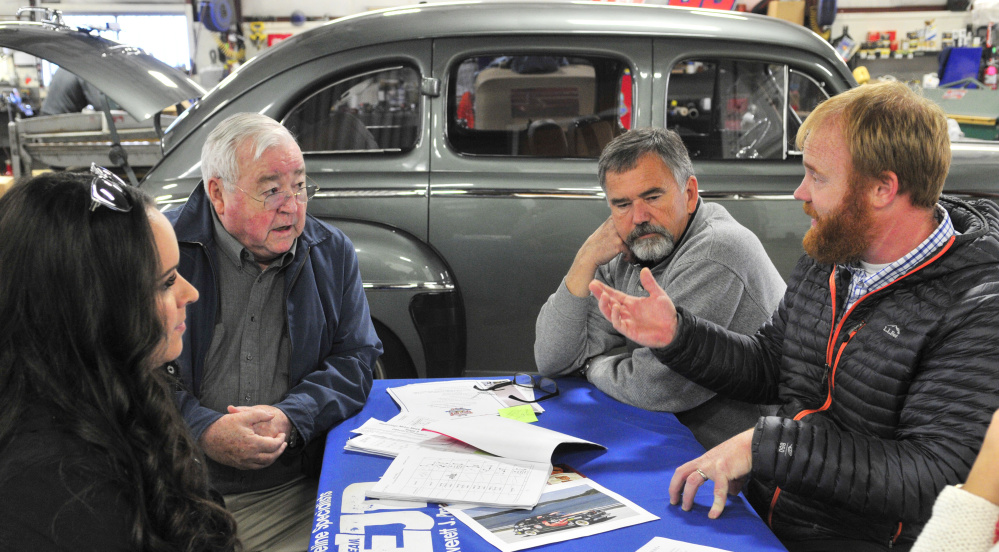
232	440
603	245
649	321
728	465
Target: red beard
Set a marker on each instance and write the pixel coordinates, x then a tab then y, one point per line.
842	236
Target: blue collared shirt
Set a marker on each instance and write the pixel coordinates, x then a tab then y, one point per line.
862	282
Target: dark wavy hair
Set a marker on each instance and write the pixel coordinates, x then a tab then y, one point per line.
78	334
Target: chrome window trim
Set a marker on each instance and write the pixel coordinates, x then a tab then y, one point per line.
352	152
516	193
370	192
818	84
748	196
581	194
787	91
435	286
507	193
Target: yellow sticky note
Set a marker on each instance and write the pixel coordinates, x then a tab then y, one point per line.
521	413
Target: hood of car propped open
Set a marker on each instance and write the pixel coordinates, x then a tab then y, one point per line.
141	84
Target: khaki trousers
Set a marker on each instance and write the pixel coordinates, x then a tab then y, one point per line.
277	519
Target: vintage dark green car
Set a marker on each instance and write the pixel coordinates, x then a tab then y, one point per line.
456	145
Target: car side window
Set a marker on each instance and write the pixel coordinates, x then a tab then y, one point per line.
728	109
377	111
803	94
537	105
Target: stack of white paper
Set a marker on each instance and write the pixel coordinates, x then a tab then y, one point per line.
398	434
515	478
437	465
458	398
434	476
507	438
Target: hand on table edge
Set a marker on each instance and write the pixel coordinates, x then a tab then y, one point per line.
728	465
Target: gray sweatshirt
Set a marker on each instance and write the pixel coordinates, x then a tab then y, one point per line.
718	271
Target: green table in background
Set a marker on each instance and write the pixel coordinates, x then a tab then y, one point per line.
975	109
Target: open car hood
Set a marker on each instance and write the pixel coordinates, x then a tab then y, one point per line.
141	84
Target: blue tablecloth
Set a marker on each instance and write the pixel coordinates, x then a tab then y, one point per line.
643	449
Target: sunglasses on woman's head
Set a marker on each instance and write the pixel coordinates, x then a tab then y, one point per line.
108	190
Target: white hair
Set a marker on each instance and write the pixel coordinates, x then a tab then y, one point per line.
218	155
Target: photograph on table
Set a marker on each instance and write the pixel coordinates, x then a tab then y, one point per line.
566	511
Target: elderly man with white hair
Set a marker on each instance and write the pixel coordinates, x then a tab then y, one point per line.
281	346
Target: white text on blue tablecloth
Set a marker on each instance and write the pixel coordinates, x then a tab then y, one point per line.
451	543
359	513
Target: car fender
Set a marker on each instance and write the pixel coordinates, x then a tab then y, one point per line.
412	293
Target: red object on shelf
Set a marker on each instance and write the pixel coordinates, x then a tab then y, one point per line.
719	4
274	38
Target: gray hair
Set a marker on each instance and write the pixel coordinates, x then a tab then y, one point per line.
218	155
622	154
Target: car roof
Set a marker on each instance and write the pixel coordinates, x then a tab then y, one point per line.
542	18
141	84
479	18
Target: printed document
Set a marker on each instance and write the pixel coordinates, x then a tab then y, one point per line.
459	398
506	438
434	476
389	439
446	399
565	511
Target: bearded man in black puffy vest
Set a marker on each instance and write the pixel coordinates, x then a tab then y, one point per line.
882	352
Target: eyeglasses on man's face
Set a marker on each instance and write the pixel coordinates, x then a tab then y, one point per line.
107	190
274	199
547	386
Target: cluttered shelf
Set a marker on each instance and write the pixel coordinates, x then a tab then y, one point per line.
958	69
908	68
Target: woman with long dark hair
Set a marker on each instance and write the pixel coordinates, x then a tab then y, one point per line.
93	453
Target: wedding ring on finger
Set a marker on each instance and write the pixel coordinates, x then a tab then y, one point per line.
702	474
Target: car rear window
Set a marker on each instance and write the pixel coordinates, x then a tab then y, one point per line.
738	109
537	105
374	111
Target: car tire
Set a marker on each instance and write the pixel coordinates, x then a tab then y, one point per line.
581	522
394	362
530	533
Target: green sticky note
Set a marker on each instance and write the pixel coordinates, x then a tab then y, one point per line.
521	413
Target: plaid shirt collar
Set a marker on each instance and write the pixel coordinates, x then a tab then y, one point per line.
862	283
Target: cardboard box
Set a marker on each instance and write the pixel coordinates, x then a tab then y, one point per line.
793	11
5	183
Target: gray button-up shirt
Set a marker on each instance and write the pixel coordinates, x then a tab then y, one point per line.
248	360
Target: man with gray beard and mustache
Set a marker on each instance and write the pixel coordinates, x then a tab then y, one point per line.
695	250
